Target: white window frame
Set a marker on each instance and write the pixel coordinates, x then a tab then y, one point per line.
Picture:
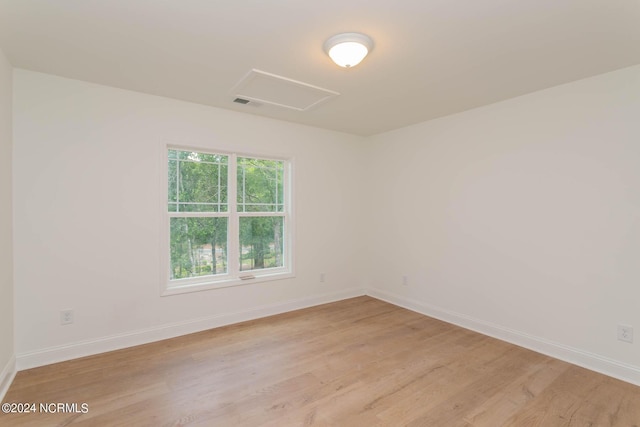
233	276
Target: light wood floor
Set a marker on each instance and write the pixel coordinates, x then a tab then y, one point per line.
358	362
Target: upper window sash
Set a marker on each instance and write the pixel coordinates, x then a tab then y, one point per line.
260	185
197	182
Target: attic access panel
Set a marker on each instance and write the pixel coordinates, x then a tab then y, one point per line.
266	88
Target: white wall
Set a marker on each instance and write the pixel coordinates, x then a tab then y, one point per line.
87	216
520	219
7	360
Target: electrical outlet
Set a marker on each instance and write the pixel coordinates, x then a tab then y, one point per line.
405	280
625	333
323	277
66	317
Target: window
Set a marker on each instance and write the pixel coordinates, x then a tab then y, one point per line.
228	220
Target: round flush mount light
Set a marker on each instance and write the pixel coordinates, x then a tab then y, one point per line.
348	49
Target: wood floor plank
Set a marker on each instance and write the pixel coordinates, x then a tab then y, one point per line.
511	398
357	362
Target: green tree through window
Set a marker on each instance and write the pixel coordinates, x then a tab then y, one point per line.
211	239
197	183
260	192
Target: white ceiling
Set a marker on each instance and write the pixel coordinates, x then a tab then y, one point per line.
431	57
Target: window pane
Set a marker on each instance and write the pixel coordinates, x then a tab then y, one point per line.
198	157
197	182
201	182
261	242
260	185
197	207
198	247
173	182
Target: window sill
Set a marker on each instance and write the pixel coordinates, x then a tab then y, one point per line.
226	283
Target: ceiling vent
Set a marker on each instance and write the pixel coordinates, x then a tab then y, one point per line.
280	91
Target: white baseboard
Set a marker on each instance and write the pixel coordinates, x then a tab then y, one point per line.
6	377
591	361
115	342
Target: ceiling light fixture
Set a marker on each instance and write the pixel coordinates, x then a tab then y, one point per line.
348	49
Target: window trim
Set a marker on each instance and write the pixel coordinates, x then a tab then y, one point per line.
233	275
